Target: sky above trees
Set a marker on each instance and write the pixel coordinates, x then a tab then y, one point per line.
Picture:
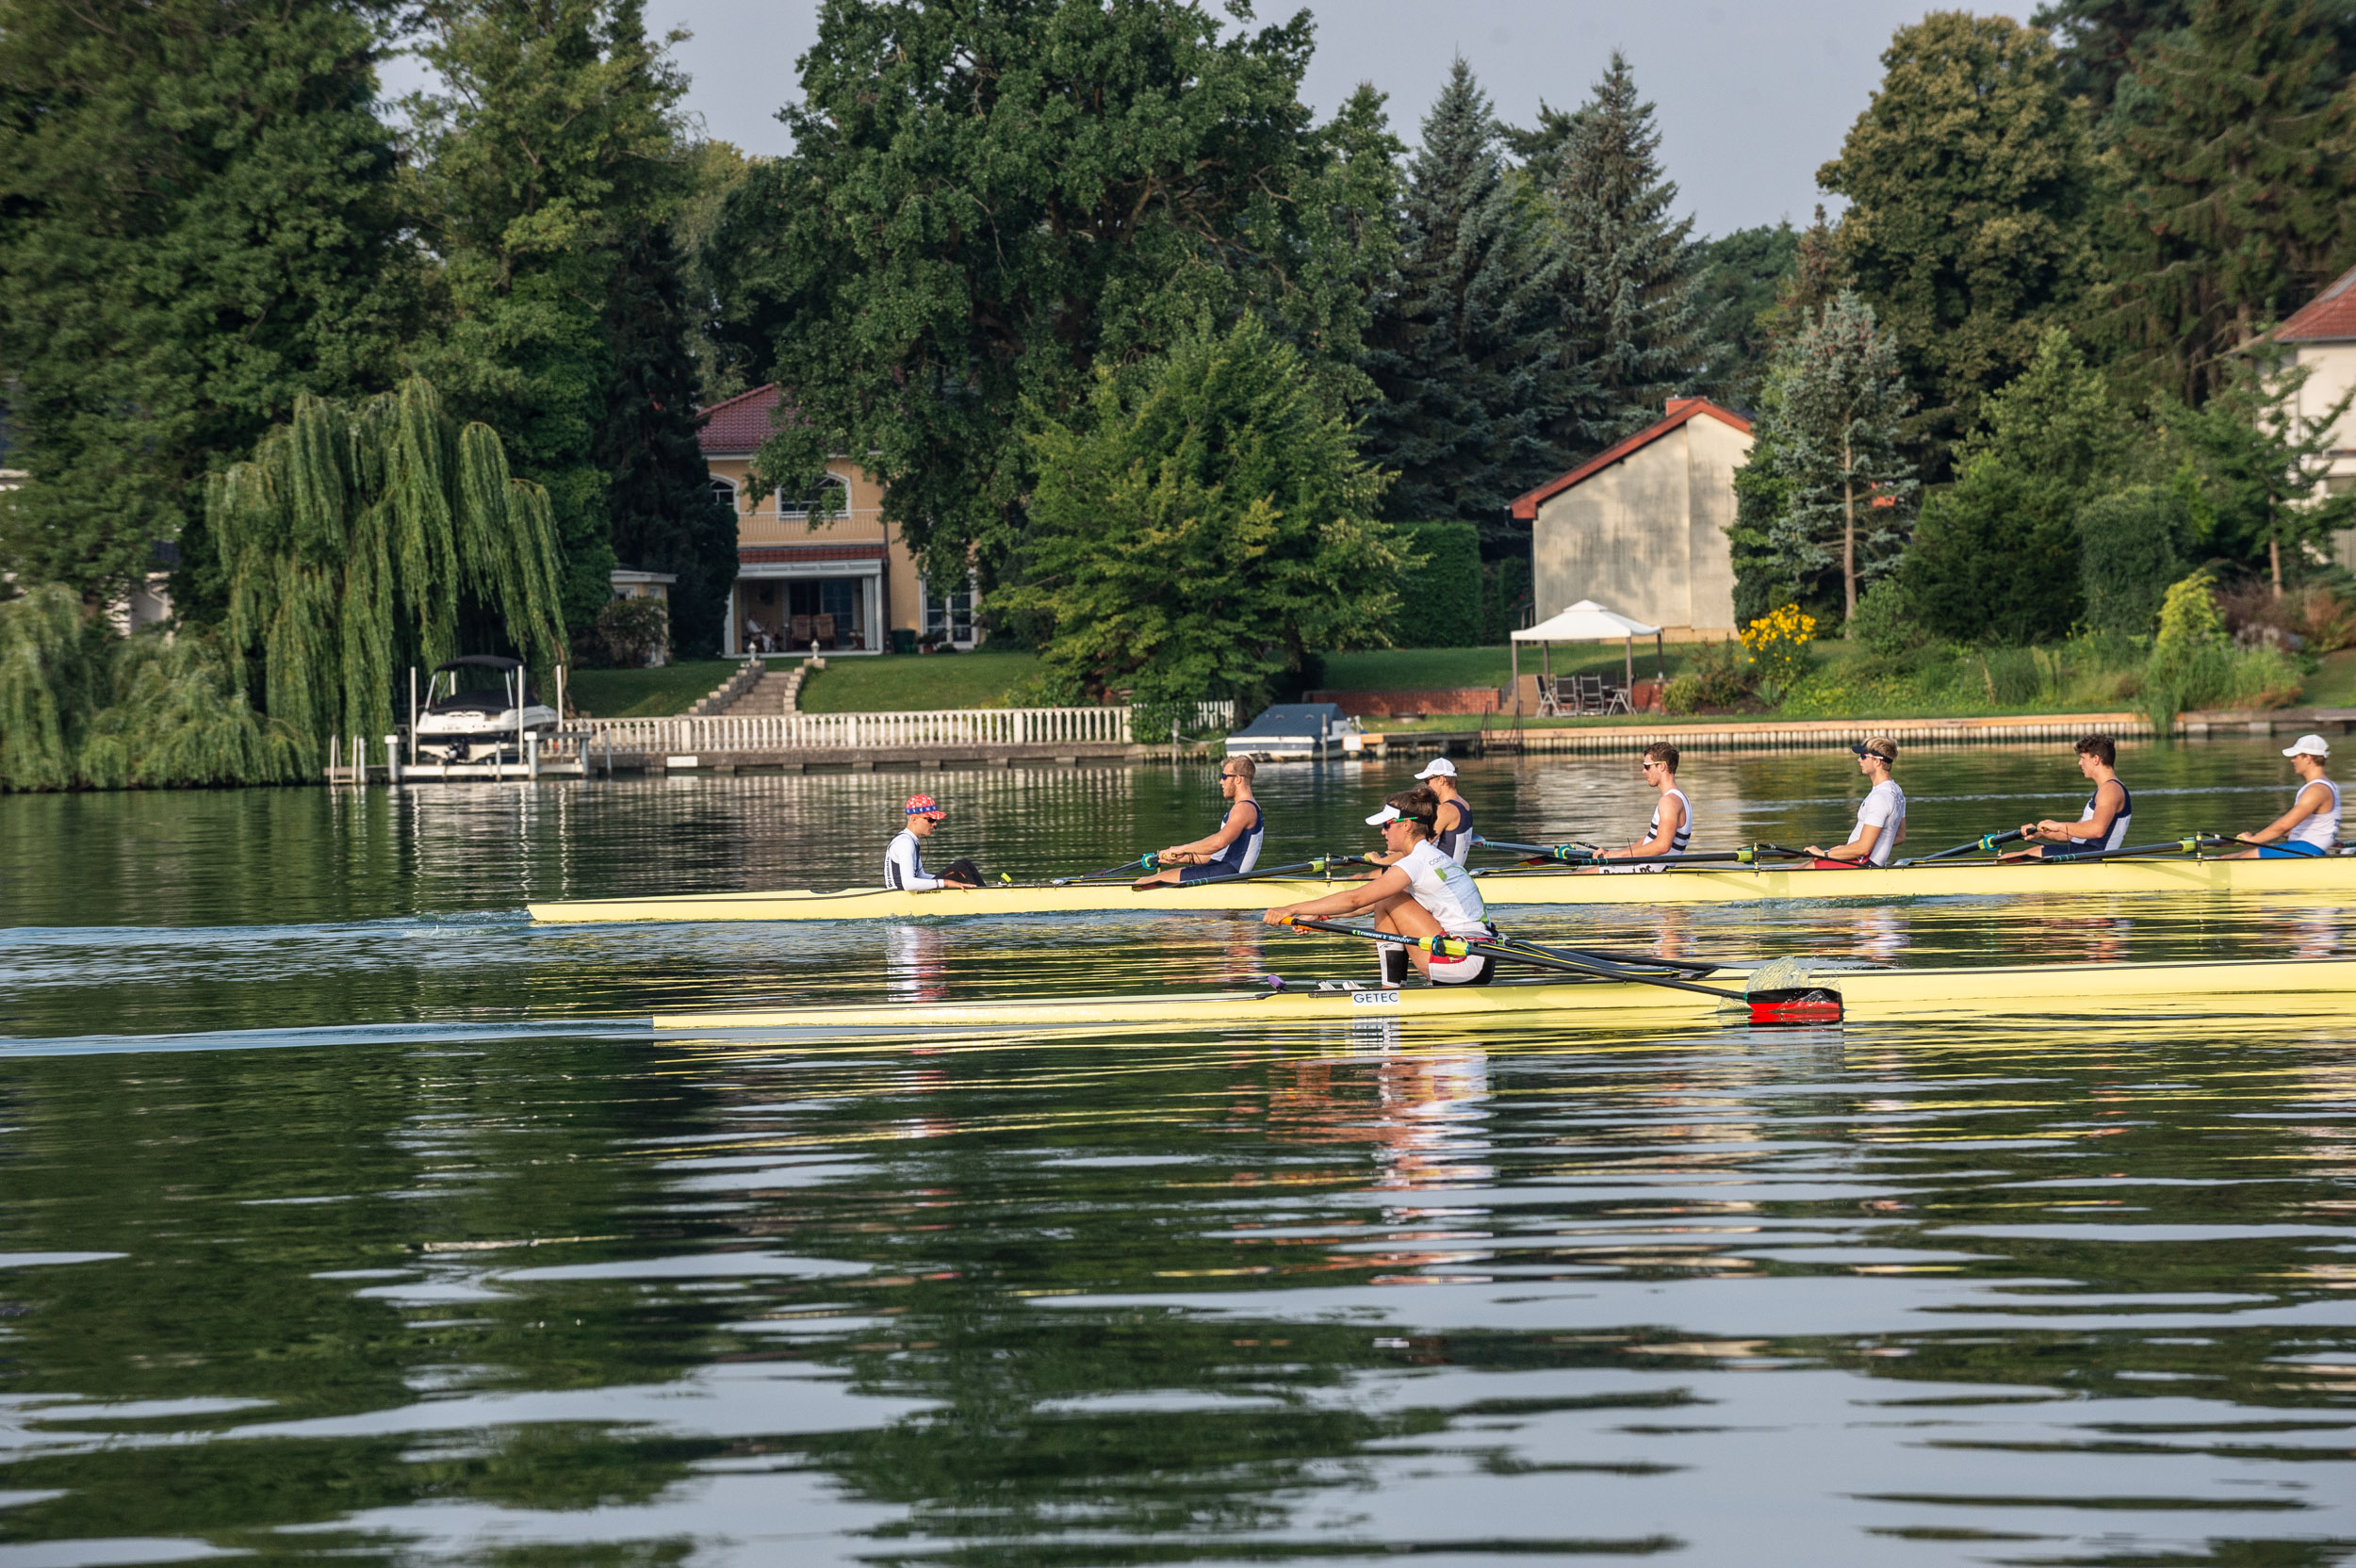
1751	98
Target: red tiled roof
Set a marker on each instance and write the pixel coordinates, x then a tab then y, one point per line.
741	424
749	555
2329	317
1680	410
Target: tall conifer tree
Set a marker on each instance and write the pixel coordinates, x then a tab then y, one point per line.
1477	374
2236	154
199	223
1628	268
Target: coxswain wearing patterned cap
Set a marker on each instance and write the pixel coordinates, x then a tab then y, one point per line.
2311	826
1421	893
904	862
1881	820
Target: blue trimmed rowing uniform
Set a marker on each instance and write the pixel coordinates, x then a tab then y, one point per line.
2314	836
1456	843
1237	858
2078	849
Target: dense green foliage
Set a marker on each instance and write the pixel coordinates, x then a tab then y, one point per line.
1480	387
2234	157
2131	545
1823	502
366	537
985	206
1439	601
549	170
82	706
199	222
1204	529
1743	274
1969	178
1997	556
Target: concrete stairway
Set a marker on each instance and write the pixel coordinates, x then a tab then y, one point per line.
774	693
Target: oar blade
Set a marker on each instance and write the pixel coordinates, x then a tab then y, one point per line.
1789	1008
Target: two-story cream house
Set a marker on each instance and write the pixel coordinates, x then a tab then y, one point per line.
2322	336
816	563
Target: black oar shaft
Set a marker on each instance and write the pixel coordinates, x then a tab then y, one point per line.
1460	947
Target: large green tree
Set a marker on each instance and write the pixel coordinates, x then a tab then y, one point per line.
1467	348
2235	166
199	223
1205	528
984	205
1629	268
1969	179
552	164
1742	276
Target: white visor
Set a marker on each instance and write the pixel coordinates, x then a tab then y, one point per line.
1387	816
2314	746
1439	767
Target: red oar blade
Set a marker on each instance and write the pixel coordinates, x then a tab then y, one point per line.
1812	1005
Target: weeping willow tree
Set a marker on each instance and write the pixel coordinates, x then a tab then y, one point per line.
366	537
82	706
362	538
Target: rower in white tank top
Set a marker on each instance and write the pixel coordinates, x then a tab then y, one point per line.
2311	826
1659	765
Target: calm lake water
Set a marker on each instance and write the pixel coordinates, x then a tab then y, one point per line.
344	1214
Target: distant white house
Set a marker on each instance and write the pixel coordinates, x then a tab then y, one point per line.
2322	336
1642	526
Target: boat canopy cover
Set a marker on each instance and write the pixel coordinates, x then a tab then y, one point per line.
1295	721
1585	622
480	661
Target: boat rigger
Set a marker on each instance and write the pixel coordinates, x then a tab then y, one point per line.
2271	986
1514	888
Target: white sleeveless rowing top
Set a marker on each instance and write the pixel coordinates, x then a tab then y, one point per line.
2322	829
1444	889
2117	835
1684	834
1884	807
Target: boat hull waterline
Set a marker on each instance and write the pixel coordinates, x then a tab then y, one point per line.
2335	874
2095	994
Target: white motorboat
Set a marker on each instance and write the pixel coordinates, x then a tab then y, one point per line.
482	722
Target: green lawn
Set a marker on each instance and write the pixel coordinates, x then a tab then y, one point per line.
899	682
645	694
2332	686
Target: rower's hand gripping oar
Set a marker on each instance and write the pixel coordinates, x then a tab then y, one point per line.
1146	862
1809	1005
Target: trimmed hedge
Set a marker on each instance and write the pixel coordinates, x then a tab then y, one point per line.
1440	602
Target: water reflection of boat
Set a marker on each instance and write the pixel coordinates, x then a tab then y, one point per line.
477	723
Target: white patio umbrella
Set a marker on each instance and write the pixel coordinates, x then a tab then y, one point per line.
1587	622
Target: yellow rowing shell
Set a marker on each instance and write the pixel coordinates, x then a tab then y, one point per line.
2093	995
1507	889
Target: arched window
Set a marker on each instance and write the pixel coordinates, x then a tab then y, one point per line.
723	491
823	495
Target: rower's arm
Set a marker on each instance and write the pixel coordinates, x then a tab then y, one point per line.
1859	848
2311	799
2108	797
1672	818
1390	883
1230	829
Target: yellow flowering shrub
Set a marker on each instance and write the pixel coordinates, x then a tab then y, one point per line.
1778	645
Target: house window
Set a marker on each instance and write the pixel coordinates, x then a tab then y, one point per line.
824	496
723	491
949	617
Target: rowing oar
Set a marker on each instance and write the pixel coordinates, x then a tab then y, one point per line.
1144	862
2192	845
1315	868
1586	854
1806	1004
1987	843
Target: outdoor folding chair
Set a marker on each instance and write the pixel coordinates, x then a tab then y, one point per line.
822	628
1589	697
1549	703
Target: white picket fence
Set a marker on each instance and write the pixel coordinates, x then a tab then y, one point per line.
951	726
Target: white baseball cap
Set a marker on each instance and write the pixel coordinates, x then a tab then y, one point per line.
1439	767
2314	746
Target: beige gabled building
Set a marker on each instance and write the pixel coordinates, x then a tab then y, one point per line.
818	564
2322	337
1641	526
